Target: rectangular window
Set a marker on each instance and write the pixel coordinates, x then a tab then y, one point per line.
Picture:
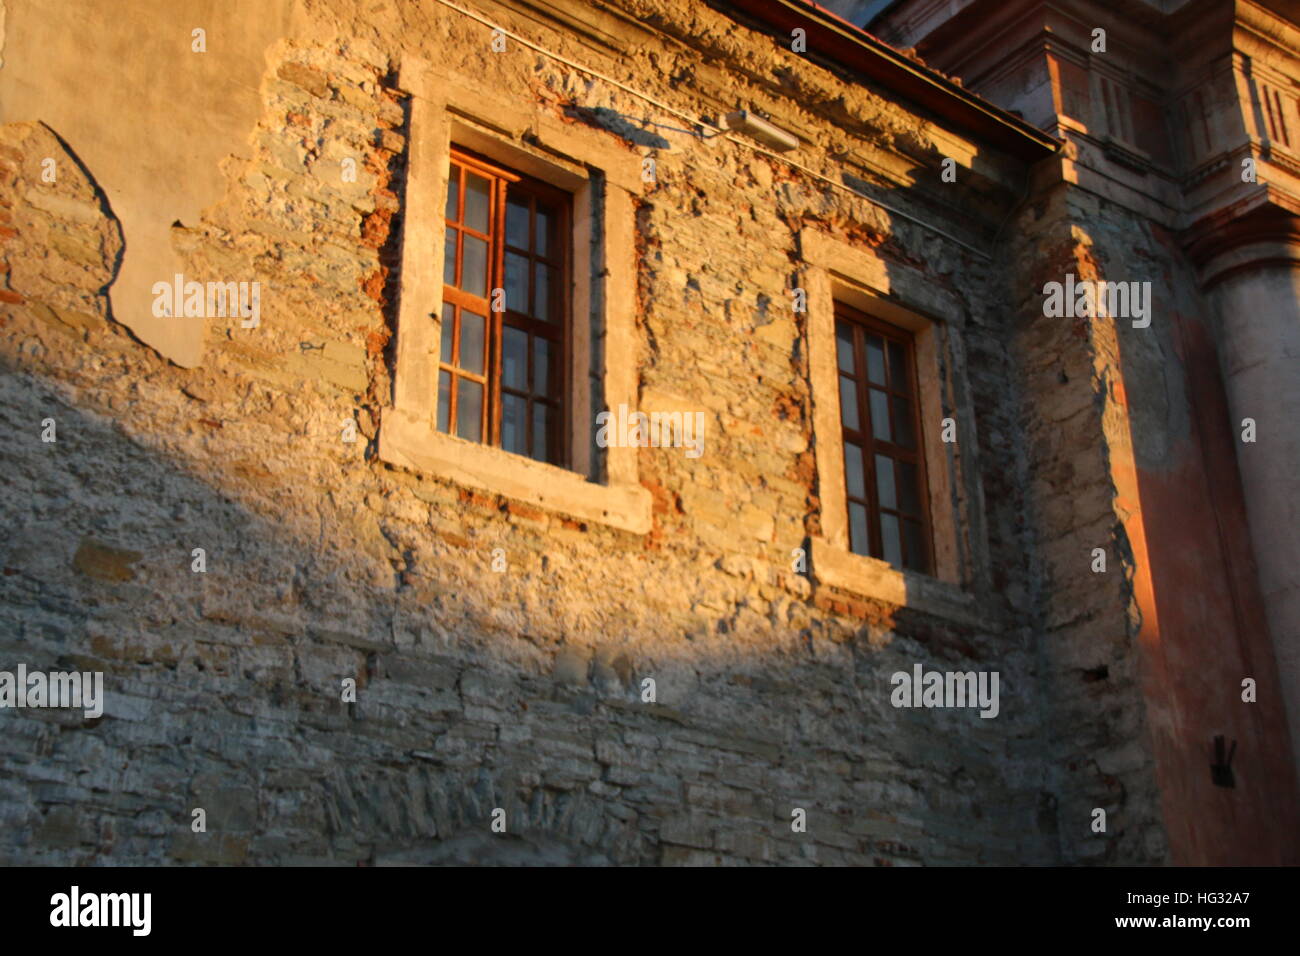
501	369
884	469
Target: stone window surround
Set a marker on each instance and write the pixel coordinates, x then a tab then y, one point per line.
450	109
834	270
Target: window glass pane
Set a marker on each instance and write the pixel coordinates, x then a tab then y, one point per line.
516	283
853	477
517	223
543	357
890	541
915	543
478	200
453	193
543	277
909	488
848	403
879	414
885	482
514	410
444	400
469	409
449	258
514	359
545	231
473	265
897	367
875	360
859	543
844	347
471	342
541	419
448	327
903	422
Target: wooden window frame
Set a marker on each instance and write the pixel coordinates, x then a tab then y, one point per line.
603	178
864	436
557	329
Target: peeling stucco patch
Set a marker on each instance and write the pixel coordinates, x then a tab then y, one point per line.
155	148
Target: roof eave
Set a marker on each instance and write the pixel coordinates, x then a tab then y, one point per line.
854	49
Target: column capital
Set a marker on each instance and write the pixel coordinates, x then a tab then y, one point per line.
1259	231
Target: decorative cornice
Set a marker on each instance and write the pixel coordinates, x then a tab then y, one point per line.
1261	230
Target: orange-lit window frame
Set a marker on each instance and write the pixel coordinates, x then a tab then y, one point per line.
549	442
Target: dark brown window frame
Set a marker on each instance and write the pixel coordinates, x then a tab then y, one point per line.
556	330
864	436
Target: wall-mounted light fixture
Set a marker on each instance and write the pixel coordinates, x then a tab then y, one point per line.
769	134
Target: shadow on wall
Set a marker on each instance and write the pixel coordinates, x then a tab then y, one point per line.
223	693
478	848
223	688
